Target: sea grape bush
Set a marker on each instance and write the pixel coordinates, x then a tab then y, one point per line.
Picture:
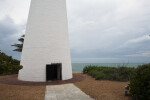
109	73
140	83
8	65
139	78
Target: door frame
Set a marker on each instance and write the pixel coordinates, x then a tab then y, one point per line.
59	70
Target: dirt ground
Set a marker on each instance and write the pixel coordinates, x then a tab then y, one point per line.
103	90
13	80
100	90
13	89
17	92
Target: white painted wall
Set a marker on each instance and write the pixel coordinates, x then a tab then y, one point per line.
46	40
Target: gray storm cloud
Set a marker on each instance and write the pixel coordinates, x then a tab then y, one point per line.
100	30
9	33
109	29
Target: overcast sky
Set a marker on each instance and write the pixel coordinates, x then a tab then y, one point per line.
101	31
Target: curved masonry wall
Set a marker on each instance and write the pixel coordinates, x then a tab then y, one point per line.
46	40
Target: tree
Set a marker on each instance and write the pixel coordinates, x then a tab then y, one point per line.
8	65
19	46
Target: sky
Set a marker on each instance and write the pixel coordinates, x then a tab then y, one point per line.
100	31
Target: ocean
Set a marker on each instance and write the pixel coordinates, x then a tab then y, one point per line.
78	67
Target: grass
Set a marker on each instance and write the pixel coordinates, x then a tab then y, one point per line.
109	73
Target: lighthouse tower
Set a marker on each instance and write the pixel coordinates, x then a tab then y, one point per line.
46	52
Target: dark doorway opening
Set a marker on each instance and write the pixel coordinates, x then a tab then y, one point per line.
54	72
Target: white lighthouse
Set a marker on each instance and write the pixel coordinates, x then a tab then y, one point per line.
46	52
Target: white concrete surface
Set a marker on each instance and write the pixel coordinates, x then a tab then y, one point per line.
46	40
65	92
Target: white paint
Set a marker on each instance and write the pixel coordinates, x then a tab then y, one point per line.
46	40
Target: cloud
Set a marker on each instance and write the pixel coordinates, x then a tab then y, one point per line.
94	60
142	41
142	54
113	28
7	27
100	30
9	33
12	24
138	40
15	9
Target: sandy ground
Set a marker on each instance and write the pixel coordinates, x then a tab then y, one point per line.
15	92
13	80
100	90
103	90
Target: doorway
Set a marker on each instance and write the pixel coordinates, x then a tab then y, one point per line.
54	72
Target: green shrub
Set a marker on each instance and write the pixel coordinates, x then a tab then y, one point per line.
109	73
88	68
124	73
99	76
8	65
140	83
